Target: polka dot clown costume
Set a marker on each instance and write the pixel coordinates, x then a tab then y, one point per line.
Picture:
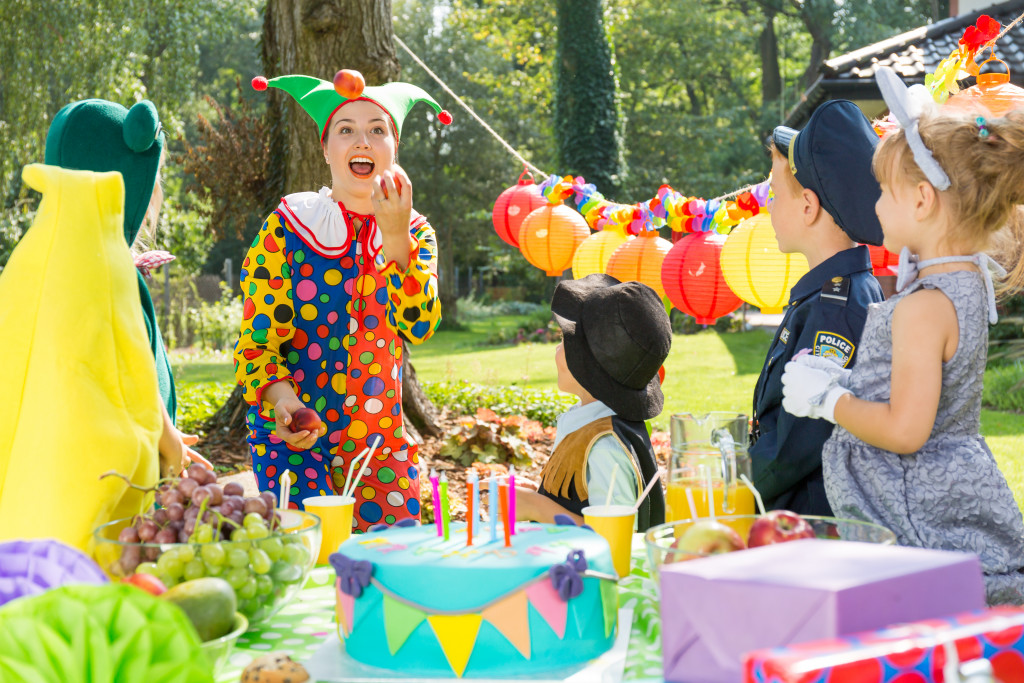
325	311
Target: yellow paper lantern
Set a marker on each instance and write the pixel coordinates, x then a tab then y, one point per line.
754	268
550	235
640	259
592	256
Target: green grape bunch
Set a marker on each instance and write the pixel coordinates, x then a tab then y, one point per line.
200	528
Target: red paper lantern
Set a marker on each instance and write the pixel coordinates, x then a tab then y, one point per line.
883	261
640	259
693	280
514	205
550	235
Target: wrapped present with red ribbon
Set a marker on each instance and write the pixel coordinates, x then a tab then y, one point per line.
935	651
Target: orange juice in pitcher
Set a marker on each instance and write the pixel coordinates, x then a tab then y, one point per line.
740	501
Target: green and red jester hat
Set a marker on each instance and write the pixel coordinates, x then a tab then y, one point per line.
321	99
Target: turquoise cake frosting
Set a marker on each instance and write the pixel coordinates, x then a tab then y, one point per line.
409	600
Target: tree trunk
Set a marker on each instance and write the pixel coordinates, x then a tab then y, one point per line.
419	413
316	38
768	47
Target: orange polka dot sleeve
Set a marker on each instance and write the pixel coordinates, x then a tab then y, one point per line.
414	309
266	277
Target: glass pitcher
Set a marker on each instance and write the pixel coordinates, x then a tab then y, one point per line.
709	453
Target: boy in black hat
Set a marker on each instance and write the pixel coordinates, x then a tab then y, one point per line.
824	203
615	337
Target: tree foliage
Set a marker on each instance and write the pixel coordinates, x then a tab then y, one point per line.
588	123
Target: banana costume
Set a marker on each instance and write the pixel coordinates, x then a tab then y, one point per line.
80	392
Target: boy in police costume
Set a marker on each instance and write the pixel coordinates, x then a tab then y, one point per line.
824	203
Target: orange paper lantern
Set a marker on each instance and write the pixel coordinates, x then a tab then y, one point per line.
550	236
513	206
592	256
693	280
754	268
993	95
640	259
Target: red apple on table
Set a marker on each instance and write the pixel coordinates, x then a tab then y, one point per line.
349	83
306	419
704	537
779	526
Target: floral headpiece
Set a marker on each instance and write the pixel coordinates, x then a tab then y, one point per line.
907	105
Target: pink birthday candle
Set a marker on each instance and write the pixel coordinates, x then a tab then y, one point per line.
512	499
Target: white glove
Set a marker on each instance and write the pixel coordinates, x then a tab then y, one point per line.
829	365
809	391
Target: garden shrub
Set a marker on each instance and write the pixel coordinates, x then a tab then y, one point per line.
542	405
1004	387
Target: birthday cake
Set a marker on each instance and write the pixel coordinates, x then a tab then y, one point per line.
408	600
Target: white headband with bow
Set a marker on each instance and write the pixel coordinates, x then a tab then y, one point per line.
907	104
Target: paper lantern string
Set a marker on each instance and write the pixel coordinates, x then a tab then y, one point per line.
982	35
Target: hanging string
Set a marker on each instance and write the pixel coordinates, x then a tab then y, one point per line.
511	150
465	106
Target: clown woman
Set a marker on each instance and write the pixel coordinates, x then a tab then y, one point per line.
333	283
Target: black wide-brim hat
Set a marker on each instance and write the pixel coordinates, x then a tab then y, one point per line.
616	335
831	156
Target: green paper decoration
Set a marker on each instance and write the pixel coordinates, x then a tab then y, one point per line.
400	621
99	634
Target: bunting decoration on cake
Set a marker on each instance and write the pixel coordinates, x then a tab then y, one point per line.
400	620
511	617
457	635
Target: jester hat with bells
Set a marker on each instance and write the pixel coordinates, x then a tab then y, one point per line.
320	99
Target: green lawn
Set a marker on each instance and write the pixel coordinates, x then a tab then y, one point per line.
704	372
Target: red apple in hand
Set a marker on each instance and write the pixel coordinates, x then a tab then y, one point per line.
398	184
779	526
705	537
306	419
349	83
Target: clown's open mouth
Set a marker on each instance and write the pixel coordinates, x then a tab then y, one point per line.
362	167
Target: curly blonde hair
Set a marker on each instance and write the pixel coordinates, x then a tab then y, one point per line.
986	173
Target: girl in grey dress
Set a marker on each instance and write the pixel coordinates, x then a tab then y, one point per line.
906	452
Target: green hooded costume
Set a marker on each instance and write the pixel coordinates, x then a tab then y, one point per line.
97	135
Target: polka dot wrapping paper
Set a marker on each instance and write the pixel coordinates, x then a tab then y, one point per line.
908	653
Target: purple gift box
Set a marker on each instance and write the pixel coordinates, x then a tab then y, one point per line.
715	609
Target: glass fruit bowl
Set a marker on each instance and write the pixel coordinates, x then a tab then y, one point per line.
219	649
659	540
265	571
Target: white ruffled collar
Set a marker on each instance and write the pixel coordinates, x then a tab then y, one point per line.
320	222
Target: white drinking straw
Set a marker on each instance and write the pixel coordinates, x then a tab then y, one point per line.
689	500
647	490
611	487
352	469
362	469
757	496
285	481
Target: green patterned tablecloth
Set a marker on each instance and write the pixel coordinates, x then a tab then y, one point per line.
301	627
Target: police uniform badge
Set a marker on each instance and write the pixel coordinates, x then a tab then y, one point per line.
784	337
834	346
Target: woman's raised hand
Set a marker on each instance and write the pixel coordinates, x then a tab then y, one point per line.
392	207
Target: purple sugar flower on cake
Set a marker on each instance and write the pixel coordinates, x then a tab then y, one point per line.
567	577
353	575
